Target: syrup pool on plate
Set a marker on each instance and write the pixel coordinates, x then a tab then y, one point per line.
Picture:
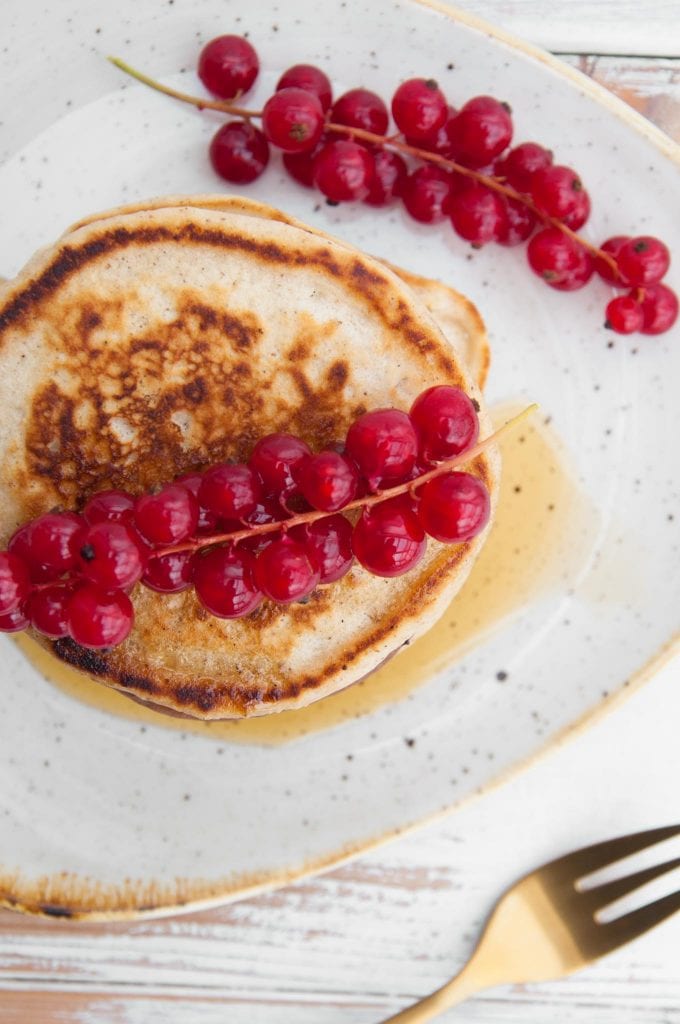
533	547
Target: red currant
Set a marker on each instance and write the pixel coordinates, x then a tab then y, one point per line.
110	507
624	315
442	140
292	119
224	581
520	220
419	108
168	517
230	491
15	582
20	545
479	215
53	541
580	211
612	246
454	507
427	194
388	539
389	177
169	574
446	422
267	510
228	66
239	152
328	481
300	166
343	170
329	542
555	189
481	130
14	622
643	260
659	309
275	459
519	165
383	444
559	260
99	618
309	78
286	571
47	610
110	556
361	108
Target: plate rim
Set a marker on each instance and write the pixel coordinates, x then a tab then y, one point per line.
16	895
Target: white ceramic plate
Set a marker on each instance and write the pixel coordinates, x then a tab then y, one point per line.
103	814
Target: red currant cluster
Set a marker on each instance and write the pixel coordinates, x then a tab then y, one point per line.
460	168
239	533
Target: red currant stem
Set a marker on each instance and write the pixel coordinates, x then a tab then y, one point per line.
224	106
393	492
496	184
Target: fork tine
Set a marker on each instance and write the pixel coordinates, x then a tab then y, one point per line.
601	855
602	895
630	926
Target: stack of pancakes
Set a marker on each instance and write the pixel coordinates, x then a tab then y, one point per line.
162	338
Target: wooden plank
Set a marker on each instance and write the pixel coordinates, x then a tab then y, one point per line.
625	27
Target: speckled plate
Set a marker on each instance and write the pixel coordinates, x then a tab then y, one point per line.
102	813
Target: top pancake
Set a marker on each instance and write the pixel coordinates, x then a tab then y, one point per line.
146	344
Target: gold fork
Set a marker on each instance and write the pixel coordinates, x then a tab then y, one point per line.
546	927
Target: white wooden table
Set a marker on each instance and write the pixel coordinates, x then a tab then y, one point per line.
363	940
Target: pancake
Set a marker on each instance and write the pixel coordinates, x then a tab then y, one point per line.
456	315
149	343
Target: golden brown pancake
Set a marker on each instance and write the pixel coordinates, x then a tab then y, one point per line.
148	343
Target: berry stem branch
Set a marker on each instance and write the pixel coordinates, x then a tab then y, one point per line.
360	503
496	184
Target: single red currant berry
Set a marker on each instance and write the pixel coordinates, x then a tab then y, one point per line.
659	309
207	521
110	556
53	540
384	445
343	170
328	481
361	108
47	610
580	211
275	459
168	517
612	247
309	78
419	108
446	422
643	260
329	543
230	491
109	507
15	582
99	618
441	141
520	220
225	583
624	315
454	507
389	177
20	545
228	66
520	164
427	194
169	574
300	166
479	215
239	152
292	119
555	189
481	130
559	260
267	510
388	539
286	571
14	622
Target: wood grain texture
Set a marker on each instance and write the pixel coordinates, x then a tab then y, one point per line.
358	943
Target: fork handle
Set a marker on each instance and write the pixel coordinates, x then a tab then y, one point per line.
460	988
